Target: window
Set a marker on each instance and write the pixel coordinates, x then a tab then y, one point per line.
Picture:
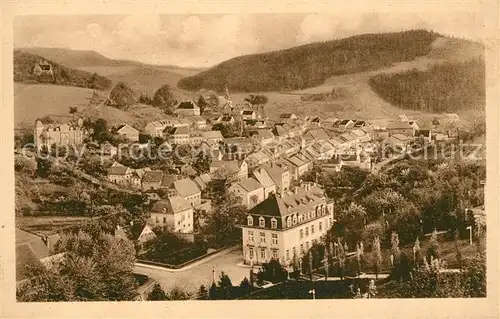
289	222
287	254
275	254
301	234
323	210
301	217
164	219
302	248
263	253
157	220
294	219
274	238
320	226
312	229
307	231
262	237
294	253
262	222
307	245
331	221
250	236
250	220
274	223
250	252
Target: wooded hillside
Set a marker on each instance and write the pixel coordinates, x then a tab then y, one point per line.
309	65
24	64
448	87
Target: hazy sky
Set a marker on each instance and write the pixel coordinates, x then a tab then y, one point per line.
205	40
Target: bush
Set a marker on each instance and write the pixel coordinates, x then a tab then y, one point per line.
272	271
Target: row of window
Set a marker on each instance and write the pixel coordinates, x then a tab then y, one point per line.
302	251
274	237
275	253
320	211
262	222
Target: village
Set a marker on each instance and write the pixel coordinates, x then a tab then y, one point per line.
260	161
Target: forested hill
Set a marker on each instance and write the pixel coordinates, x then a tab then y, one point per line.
448	87
309	65
24	64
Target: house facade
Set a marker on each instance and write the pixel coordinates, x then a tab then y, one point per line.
119	174
187	108
58	134
282	227
174	214
128	132
250	191
189	191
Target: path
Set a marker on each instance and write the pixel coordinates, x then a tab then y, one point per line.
199	274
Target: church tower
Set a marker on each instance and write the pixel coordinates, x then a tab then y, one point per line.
227	96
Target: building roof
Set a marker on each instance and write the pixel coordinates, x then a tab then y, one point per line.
202	180
126	127
118	170
187	105
172	205
263	178
318	135
182	130
250	184
248	112
299	200
168	180
399	126
186	187
279	130
152	177
402	137
212	135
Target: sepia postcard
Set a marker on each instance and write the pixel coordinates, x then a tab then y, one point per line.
230	159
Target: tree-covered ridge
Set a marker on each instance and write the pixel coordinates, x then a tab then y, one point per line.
310	65
448	87
24	64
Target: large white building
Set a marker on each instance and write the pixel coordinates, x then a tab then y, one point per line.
282	226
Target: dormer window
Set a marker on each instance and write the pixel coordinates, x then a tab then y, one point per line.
294	219
262	222
274	223
301	217
289	221
250	220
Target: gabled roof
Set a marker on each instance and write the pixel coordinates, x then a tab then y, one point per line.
172	205
399	126
182	130
202	180
118	170
152	177
250	184
186	187
319	135
126	127
263	178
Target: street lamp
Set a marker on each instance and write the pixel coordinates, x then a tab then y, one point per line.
470	234
313	292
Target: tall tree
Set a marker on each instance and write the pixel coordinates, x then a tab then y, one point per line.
97	267
157	293
202	293
164	98
376	257
225	286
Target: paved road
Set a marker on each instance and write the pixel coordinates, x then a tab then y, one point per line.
201	274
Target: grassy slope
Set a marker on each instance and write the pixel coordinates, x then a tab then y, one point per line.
32	101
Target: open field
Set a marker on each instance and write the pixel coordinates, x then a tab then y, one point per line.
32	101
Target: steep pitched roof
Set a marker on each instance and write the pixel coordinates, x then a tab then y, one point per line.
182	130
250	184
118	170
172	205
263	177
168	181
186	187
319	135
